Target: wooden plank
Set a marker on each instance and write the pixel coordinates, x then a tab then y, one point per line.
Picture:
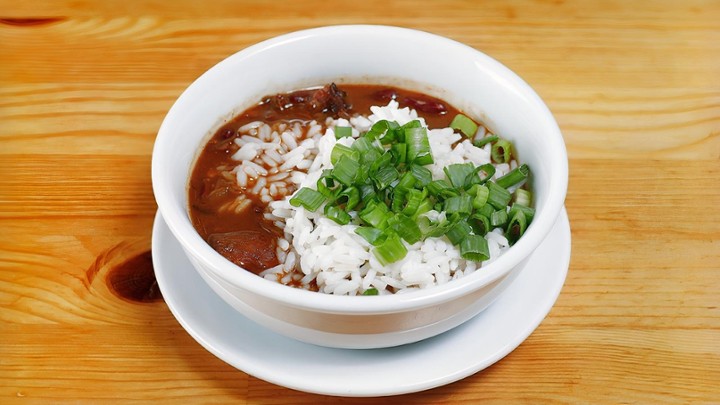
84	86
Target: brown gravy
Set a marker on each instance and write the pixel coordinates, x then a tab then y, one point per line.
247	238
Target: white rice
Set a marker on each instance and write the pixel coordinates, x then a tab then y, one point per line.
275	161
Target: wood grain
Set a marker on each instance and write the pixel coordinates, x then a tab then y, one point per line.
84	86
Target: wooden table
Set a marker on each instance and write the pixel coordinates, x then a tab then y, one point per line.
635	88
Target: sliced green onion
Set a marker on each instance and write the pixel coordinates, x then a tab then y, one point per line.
383	160
367	192
418	146
400	133
498	197
441	228
308	198
411	124
516	227
480	224
462	204
369	152
345	170
350	196
340	149
422	174
425	206
498	218
385	175
379	128
485	140
342	132
376	215
413	199
398	198
522	197
425	225
442	189
464	125
473	189
407	182
481	196
458	173
529	212
371	291
406	228
337	214
501	151
488	170
390	250
374	236
458	232
325	185
486	210
391	136
399	152
514	176
475	248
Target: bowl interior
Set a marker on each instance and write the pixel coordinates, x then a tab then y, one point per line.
461	75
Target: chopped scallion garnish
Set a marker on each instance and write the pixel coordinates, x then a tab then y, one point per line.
342	132
376	215
529	212
379	128
498	218
422	175
522	197
368	150
340	150
480	224
486	210
442	189
373	235
458	232
418	146
399	152
308	198
498	197
514	177
474	247
464	125
485	140
481	196
370	291
459	173
406	228
482	173
462	205
345	170
413	199
501	151
385	176
350	196
407	182
390	250
516	227
337	214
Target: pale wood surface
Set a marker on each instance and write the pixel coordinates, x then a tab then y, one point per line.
635	88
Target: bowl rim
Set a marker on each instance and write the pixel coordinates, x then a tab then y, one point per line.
182	229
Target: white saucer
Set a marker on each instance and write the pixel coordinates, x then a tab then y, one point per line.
437	361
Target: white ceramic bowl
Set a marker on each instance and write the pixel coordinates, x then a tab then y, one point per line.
416	60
